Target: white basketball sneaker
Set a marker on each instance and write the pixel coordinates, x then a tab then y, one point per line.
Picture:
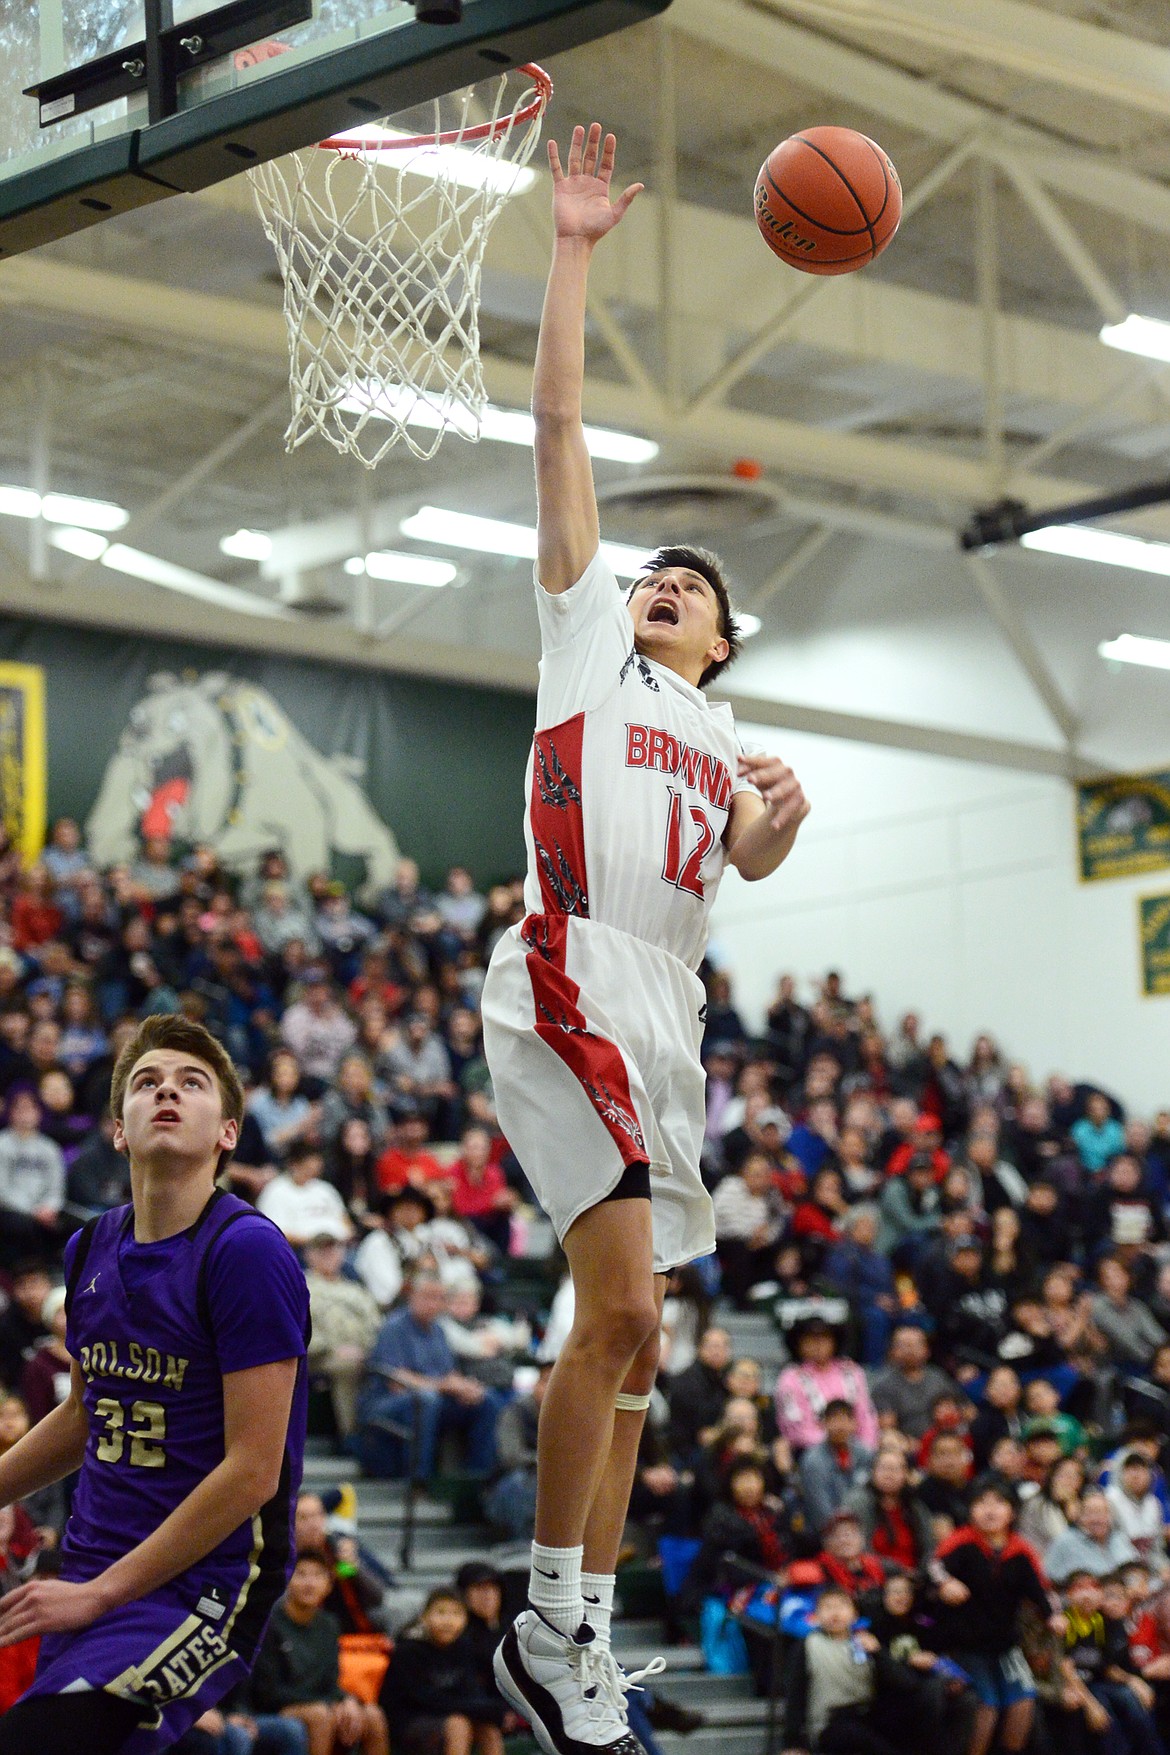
564	1687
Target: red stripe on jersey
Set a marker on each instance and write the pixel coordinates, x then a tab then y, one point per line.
557	817
594	1061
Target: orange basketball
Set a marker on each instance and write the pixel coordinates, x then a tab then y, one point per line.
828	200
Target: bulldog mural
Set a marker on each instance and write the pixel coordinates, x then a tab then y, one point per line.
214	759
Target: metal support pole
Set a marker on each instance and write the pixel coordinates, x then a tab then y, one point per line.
987	277
667	213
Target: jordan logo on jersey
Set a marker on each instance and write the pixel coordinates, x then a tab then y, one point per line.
647	746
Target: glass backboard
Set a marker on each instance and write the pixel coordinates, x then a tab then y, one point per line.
347	62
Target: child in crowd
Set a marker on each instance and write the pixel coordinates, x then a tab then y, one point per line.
433	1695
831	1685
1097	1647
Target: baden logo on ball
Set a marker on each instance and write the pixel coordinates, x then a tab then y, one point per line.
828	200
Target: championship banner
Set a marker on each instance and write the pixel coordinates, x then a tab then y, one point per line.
1154	930
22	756
1123	825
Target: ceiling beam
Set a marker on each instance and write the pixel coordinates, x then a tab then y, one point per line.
763	38
853	461
1032	42
125	606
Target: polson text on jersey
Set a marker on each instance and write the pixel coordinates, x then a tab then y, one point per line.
136	1363
647	746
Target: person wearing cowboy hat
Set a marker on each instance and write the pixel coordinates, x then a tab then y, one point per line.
818	1376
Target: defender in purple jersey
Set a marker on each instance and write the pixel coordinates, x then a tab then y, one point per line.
188	1327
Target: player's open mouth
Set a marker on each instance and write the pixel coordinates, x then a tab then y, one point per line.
663	612
166	1117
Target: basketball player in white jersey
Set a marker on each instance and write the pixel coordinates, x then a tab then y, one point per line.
639	794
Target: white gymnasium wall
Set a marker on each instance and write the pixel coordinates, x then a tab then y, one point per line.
951	888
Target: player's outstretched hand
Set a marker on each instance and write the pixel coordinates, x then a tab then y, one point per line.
581	204
48	1605
779	788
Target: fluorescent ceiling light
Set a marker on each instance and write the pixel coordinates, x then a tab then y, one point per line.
156	571
509	426
1081	542
246	545
87	545
400	569
493	536
471	170
74	509
1148	336
89	514
749	624
1137	649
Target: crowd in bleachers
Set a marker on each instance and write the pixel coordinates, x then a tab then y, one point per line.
969	1276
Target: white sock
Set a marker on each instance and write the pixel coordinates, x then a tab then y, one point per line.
597	1593
554	1586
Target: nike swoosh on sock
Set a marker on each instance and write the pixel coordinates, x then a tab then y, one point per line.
590	1599
545	1574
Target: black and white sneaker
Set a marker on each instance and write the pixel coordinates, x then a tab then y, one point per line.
564	1687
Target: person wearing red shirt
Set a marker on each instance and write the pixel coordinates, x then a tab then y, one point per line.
406	1158
479	1190
895	1524
35	917
843	1560
817	1219
927	1137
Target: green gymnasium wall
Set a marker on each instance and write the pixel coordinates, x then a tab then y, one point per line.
441	765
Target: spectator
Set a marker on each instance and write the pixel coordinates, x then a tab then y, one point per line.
316	1028
296	1670
353	1098
301	1203
831	1684
44	1382
821	1375
741	1526
345	1322
906	1389
433	1697
1056	1507
944	1488
986	1575
34	916
910	1211
279	920
32	1182
352	1169
1097	1650
1093	1544
749	1217
479	1190
359	1584
831	1470
406	1159
698	1395
401	901
511	1504
22	1324
412	1381
1137	1511
417	1067
1000	1415
895	1524
1097	1135
280	1107
1130	1332
460	905
99	1176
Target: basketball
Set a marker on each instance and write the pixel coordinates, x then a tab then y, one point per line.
828	200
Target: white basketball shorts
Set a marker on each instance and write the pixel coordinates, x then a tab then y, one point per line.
593	1039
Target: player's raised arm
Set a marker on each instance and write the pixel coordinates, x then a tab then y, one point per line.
567	527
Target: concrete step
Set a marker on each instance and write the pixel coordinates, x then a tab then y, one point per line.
698	1689
715	1740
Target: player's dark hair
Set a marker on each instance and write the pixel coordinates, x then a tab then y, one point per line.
709	567
169	1030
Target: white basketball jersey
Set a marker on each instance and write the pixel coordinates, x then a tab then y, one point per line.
630	779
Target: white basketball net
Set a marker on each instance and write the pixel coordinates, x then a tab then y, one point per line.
380	239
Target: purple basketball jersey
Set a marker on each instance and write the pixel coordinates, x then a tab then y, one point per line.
155	1328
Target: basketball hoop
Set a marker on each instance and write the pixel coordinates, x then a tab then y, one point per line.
380	238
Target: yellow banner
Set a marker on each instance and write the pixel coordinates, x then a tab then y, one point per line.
22	756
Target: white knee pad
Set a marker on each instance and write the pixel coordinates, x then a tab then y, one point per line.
631	1404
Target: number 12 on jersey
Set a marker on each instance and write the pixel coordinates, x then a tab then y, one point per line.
683	871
